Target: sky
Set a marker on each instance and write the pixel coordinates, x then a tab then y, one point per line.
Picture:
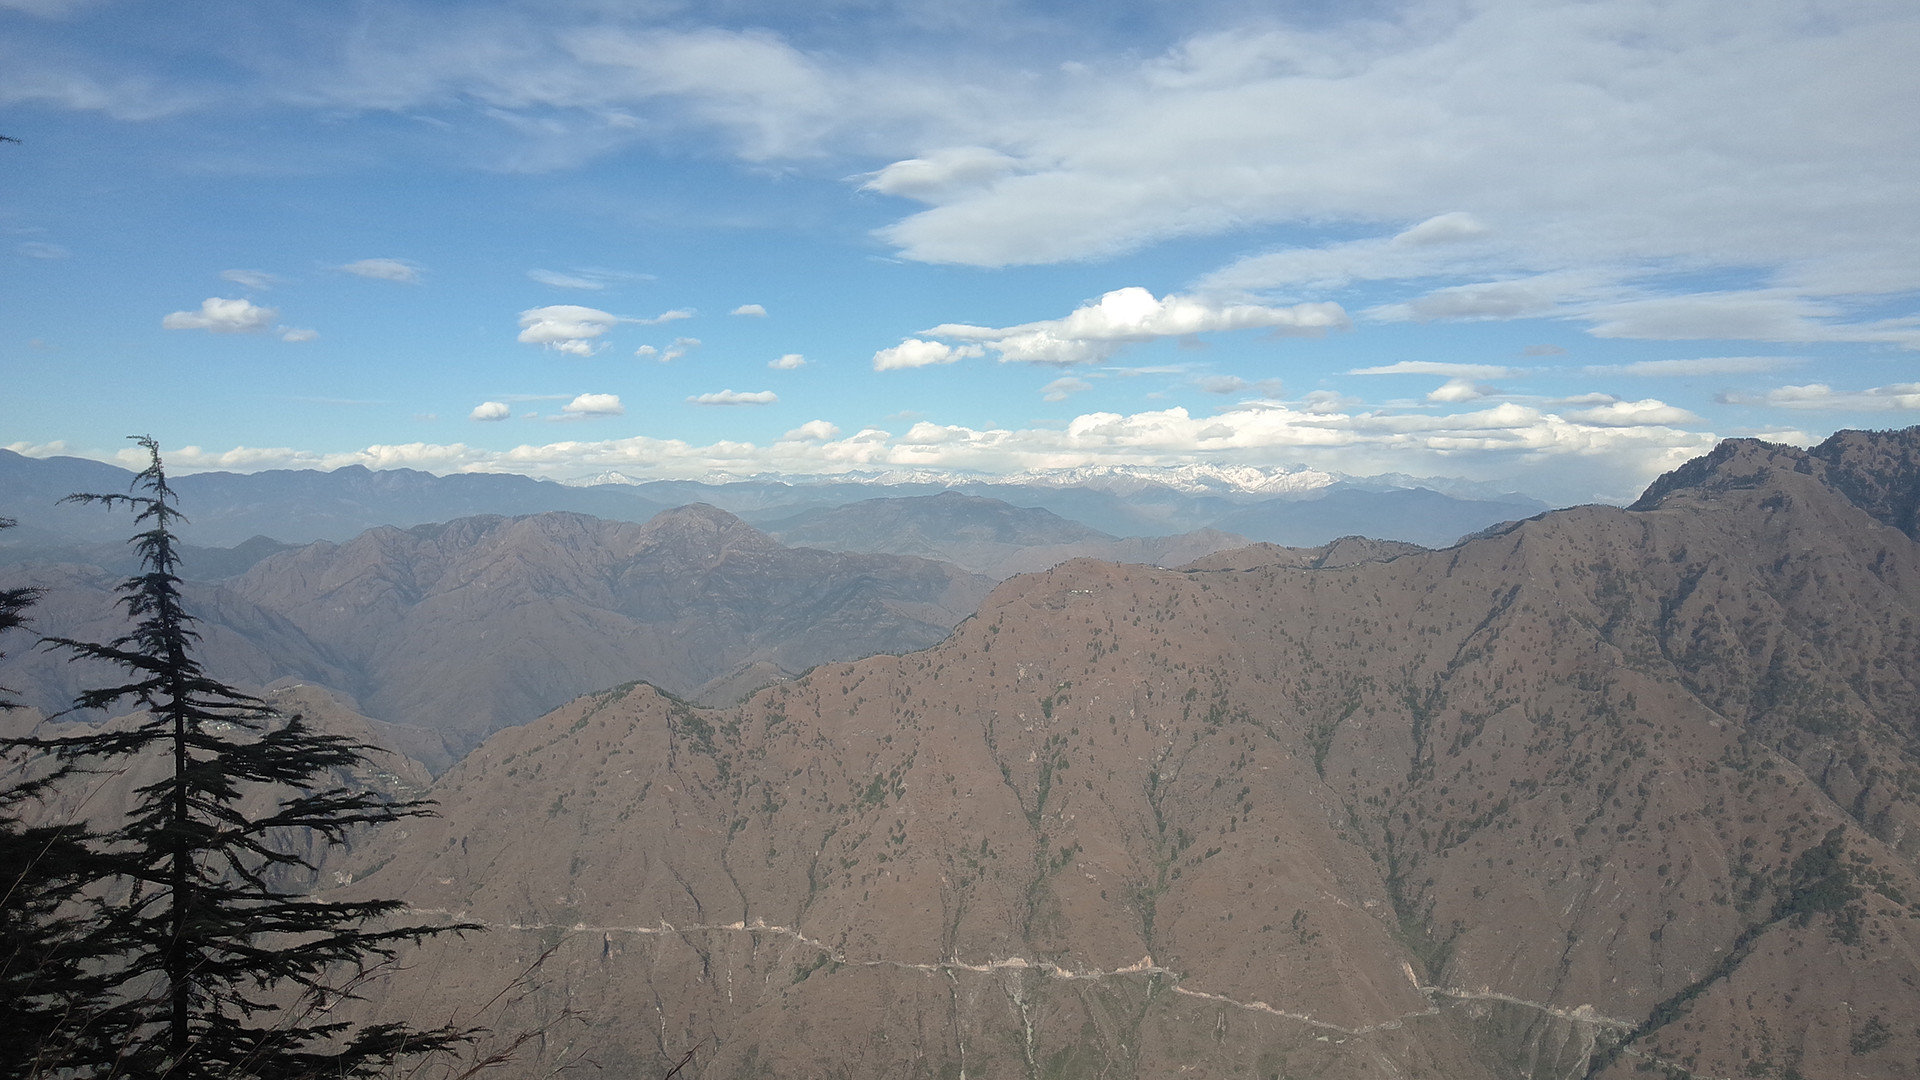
1561	247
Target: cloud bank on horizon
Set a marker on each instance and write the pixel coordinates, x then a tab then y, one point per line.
1561	246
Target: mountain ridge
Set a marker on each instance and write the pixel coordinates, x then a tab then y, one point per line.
1611	790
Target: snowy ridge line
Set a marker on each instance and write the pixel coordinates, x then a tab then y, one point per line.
1583	1014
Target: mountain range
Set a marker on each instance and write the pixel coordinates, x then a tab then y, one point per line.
299	506
1605	793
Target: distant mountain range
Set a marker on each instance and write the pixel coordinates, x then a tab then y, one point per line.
451	632
299	506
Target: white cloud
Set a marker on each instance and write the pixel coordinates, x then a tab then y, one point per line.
678	348
1583	126
1095	331
942	175
1328	401
788	362
1446	244
298	334
914	353
1063	388
594	405
1436	367
1451	228
1897	396
257	280
646	352
735	397
567	328
565	281
490	411
1611	456
591	279
1221	384
750	309
667	317
385	270
223	316
40	249
1765	315
1457	390
1634	414
1706	365
813	431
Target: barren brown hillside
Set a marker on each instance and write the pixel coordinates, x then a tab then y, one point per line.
467	627
1612	791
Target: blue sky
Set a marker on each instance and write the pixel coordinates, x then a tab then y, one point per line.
1558	246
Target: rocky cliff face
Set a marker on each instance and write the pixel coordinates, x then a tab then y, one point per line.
1606	792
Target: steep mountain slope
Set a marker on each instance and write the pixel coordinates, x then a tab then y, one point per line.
985	536
240	642
1609	791
468	627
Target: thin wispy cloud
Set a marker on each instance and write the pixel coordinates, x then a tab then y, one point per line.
400	270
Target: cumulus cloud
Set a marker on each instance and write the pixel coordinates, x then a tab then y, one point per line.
813	431
914	353
490	411
1095	331
754	310
399	270
222	316
594	405
1436	367
667	317
298	334
257	280
567	328
788	362
1706	365
735	397
1063	388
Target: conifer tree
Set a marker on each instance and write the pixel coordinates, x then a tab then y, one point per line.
214	970
45	930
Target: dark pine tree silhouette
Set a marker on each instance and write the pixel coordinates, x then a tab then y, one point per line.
218	970
53	973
